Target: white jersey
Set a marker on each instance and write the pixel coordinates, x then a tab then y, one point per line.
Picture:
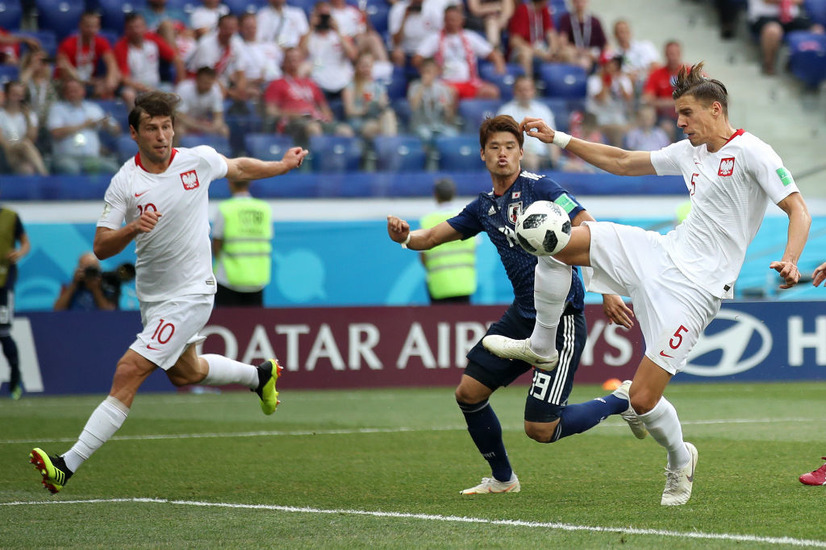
729	190
174	259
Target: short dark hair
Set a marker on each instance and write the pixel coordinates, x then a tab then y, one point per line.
444	189
500	123
131	16
153	104
690	81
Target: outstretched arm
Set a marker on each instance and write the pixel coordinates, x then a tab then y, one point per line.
611	159
421	239
799	222
246	168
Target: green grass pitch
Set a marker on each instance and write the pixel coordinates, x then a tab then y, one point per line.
383	469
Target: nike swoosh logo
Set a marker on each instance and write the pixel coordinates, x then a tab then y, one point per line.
664	354
150	347
139	194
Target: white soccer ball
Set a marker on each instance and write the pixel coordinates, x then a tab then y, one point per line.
543	229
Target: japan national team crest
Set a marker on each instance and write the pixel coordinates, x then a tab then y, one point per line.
514	209
726	167
189	179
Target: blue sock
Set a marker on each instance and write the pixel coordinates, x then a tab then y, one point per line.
581	417
486	432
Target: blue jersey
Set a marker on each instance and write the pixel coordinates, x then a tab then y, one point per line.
496	216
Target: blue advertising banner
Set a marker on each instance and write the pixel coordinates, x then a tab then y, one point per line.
76	352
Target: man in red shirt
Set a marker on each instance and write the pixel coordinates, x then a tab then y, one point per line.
138	55
295	105
660	85
78	56
532	34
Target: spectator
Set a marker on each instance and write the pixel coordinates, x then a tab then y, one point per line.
353	23
366	105
658	88
10	46
87	291
409	23
262	59
18	132
80	55
646	135
201	110
36	74
532	35
771	20
610	99
139	54
582	37
457	52
74	123
282	24
242	248
169	24
297	106
639	57
204	18
536	155
330	53
432	104
583	126
11	233
450	267
490	18
223	50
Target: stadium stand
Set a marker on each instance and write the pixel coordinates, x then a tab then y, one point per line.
219	143
474	111
335	153
563	80
11	13
401	153
59	16
807	57
458	152
266	146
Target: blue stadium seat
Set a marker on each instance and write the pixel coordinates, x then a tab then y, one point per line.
402	153
335	153
11	12
59	16
403	113
487	71
9	73
219	143
267	146
47	39
377	14
116	109
816	10
244	6
474	111
563	80
807	57
112	13
459	153
126	148
397	87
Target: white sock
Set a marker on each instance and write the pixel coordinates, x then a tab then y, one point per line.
551	285
223	371
664	426
106	419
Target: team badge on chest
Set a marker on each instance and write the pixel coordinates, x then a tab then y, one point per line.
190	179
726	167
514	209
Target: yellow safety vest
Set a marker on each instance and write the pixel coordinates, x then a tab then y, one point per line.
245	254
8	221
451	267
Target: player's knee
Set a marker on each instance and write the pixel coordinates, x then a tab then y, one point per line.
542	432
642	400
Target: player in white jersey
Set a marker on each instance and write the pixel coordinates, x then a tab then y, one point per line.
677	281
162	196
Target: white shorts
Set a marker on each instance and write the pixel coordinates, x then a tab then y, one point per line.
671	310
170	327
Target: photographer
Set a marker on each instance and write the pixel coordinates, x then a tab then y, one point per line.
90	288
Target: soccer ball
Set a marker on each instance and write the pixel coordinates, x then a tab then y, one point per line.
543	229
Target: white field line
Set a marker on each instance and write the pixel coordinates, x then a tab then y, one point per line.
789	541
298	433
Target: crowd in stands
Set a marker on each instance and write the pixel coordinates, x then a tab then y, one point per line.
296	71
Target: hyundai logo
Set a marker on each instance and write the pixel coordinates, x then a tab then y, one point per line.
742	344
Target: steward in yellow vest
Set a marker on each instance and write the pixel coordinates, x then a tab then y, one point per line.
451	267
11	233
242	248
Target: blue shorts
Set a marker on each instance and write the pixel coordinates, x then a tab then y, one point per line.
549	391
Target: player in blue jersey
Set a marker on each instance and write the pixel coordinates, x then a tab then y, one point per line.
554	353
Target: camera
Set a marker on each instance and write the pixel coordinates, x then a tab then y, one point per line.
91	272
323	22
414	8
